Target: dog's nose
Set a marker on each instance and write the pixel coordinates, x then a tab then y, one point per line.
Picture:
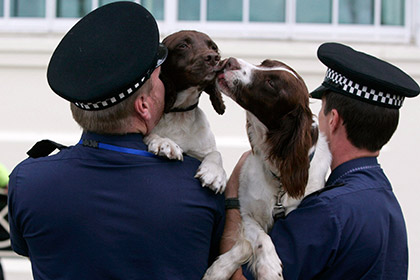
212	58
232	64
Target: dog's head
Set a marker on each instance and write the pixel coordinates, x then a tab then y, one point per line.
278	99
192	62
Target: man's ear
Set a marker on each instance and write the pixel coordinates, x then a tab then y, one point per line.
335	120
142	107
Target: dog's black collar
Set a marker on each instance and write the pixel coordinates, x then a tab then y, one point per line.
311	156
279	211
177	110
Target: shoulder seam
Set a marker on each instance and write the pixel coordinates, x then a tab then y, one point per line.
353	170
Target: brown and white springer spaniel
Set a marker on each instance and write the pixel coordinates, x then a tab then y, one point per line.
190	69
279	172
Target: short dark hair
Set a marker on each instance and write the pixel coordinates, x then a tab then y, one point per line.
112	120
368	126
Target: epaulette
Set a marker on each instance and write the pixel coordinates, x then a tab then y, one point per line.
327	188
43	148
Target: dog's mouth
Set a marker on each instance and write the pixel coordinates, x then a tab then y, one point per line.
210	75
219	70
220	66
224	78
205	73
221	80
225	85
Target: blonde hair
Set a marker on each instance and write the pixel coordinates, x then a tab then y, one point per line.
113	120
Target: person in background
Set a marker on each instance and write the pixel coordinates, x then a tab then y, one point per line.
105	208
4	178
353	228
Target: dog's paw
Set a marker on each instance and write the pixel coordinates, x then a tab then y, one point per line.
212	175
268	264
214	274
163	147
226	264
269	273
221	269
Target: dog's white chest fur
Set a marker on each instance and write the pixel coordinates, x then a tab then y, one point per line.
189	132
258	191
176	126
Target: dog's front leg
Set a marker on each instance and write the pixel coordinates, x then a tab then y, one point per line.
163	147
211	172
265	263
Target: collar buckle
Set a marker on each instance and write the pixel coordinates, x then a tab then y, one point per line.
279	211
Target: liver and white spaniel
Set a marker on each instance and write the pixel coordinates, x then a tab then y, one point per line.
190	69
279	172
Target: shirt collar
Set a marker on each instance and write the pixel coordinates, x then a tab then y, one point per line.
349	166
130	140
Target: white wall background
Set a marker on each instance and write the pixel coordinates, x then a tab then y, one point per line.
29	112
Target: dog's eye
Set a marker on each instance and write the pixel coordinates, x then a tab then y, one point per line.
182	46
214	47
270	83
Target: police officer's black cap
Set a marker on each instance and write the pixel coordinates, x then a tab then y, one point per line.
106	56
362	76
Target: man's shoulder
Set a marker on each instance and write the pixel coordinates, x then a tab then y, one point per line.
355	189
45	160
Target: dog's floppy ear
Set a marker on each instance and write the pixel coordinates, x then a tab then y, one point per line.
216	98
214	93
170	93
290	146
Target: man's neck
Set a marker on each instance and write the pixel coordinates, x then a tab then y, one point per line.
136	126
345	151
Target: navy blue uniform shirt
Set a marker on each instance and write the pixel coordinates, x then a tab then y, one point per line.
88	213
355	230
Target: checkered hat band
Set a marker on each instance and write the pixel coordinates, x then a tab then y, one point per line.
112	100
353	88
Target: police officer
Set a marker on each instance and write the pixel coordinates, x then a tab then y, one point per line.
105	208
354	227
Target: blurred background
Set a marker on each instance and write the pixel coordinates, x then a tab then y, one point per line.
287	30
